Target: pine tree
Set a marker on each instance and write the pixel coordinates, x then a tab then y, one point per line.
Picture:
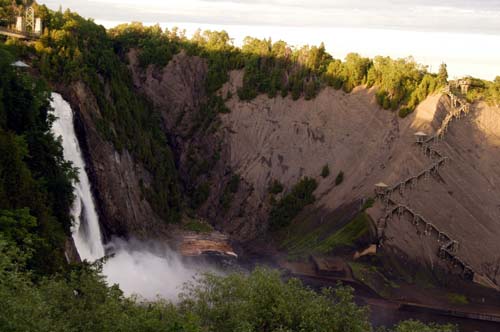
443	74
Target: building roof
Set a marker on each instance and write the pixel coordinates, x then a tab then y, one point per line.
20	64
420	133
381	185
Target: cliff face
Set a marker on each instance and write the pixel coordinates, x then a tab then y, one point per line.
202	155
115	175
278	138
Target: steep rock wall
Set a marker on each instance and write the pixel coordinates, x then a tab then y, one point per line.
178	93
115	175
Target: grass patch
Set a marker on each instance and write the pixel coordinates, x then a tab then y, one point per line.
373	278
455	298
197	226
424	279
300	242
348	234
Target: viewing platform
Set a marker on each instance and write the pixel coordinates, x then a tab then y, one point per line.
18	34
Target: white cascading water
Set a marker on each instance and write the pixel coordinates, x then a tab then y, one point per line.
86	231
145	269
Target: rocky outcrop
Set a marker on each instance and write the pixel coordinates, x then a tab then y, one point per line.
194	244
70	251
115	175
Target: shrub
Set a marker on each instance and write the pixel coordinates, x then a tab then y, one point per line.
261	301
325	171
197	226
231	188
275	187
283	212
340	178
404	112
234	183
201	194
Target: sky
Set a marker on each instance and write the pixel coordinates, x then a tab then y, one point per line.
465	34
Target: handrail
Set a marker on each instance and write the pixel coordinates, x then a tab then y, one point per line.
448	250
18	34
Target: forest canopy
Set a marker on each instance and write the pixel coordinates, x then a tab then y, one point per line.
274	68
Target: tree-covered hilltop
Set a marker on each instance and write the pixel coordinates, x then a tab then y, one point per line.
484	90
276	68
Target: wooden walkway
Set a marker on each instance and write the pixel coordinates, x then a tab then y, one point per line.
448	246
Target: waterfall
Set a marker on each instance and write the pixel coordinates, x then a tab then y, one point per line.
85	229
147	269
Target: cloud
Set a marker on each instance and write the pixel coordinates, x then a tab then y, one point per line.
424	15
464	33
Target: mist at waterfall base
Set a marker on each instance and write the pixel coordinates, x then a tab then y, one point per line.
147	270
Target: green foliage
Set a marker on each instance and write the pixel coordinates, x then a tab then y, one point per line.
292	203
261	302
428	85
442	75
347	235
258	302
234	183
275	187
201	194
485	90
79	301
373	278
339	178
35	181
270	68
157	47
355	71
18	227
310	236
416	326
231	189
325	171
455	298
368	204
197	226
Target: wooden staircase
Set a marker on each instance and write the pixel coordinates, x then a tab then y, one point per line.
448	246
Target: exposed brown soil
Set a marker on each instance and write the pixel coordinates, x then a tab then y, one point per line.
283	139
